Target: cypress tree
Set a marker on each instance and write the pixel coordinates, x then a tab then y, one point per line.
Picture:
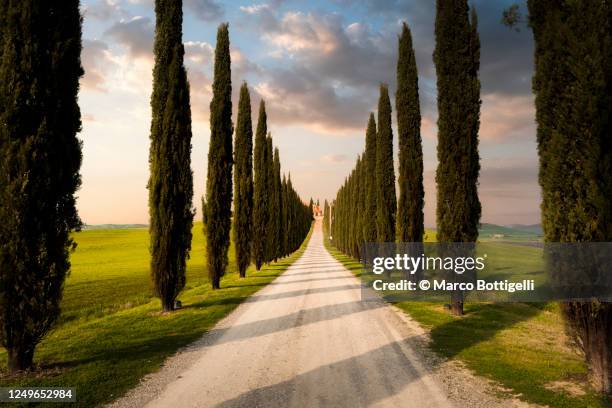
410	226
369	226
278	207
361	199
358	232
291	220
40	158
284	218
219	181
260	184
386	205
456	56
271	211
573	51
351	205
170	180
243	182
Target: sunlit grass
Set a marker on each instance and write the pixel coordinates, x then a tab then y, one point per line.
521	346
111	333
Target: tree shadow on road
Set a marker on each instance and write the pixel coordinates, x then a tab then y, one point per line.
303	317
301	292
359	381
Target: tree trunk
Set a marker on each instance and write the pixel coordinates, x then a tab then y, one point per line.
457	303
216	283
243	274
168	305
591	324
20	359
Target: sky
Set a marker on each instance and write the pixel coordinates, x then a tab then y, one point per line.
318	66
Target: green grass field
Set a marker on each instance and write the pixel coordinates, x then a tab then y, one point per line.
521	346
111	333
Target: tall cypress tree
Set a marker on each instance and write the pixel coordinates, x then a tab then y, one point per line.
362	200
457	56
386	204
243	182
260	185
271	211
291	221
573	50
219	182
284	218
170	180
410	226
40	158
278	206
369	226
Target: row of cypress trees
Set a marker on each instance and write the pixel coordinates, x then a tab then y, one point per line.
365	209
270	221
40	158
573	102
280	220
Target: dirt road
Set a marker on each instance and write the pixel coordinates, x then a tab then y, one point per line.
306	340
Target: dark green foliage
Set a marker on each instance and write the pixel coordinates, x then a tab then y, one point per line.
347	214
219	181
271	210
573	109
512	17
369	220
351	218
260	190
386	204
456	57
284	218
243	182
410	227
277	207
40	157
280	220
299	218
170	180
361	200
358	209
457	60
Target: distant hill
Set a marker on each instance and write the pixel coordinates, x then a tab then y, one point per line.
114	226
514	232
533	228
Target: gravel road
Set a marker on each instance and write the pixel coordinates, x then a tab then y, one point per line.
308	340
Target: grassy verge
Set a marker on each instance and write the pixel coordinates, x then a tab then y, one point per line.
521	346
111	333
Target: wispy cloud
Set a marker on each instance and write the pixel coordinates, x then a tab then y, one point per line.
205	10
136	34
97	63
